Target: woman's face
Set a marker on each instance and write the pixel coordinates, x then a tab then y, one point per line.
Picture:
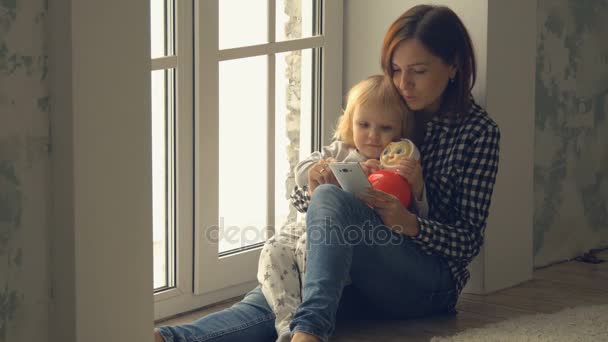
420	76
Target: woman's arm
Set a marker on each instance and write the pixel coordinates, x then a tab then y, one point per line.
463	238
421	206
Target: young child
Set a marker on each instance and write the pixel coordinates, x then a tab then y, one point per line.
375	116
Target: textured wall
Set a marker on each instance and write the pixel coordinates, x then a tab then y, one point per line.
24	171
571	148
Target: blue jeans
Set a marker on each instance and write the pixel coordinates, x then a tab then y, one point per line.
392	278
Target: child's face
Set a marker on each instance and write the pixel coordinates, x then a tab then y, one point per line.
374	128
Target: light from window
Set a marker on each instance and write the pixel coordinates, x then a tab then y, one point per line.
163	119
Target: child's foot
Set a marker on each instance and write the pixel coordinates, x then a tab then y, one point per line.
304	337
158	337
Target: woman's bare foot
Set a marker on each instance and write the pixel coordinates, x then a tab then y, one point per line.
304	337
158	337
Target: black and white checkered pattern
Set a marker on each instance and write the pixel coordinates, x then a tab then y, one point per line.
460	162
300	198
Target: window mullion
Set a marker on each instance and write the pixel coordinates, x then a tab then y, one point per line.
170	27
171	176
183	152
161	63
271	47
270	220
206	154
331	62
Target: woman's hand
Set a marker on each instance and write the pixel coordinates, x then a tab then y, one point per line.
370	165
393	214
319	174
411	170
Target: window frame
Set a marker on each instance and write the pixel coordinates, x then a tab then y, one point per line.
196	256
169	302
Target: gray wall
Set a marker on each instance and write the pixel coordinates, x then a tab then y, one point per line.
75	237
571	153
102	182
24	172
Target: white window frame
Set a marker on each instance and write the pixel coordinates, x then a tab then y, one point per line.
203	277
173	300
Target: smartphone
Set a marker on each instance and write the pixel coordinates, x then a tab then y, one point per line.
350	176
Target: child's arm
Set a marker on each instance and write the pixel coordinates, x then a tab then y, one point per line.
337	151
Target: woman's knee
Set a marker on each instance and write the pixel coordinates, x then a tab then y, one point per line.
333	209
326	190
330	196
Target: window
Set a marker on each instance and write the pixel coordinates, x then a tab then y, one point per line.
164	67
262	74
172	147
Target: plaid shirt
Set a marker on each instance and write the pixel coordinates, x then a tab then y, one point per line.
460	161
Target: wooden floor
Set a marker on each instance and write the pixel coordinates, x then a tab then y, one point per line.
552	289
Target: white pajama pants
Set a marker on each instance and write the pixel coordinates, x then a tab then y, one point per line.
280	272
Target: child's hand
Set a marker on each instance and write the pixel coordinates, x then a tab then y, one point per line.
370	166
411	170
319	174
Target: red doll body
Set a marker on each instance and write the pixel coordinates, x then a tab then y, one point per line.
387	179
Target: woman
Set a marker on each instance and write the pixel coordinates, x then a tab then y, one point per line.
400	265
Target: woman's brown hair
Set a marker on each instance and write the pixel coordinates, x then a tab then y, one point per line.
440	30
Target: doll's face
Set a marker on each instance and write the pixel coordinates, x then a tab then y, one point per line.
395	151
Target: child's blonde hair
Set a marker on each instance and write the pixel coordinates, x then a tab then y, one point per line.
375	90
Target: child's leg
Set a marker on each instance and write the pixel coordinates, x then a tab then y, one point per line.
279	278
300	254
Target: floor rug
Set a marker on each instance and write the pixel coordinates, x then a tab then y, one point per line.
583	323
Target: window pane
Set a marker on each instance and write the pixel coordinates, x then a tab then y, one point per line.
242	23
293	125
162	27
162	175
294	19
243	156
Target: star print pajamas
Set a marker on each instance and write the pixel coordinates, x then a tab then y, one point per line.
280	273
